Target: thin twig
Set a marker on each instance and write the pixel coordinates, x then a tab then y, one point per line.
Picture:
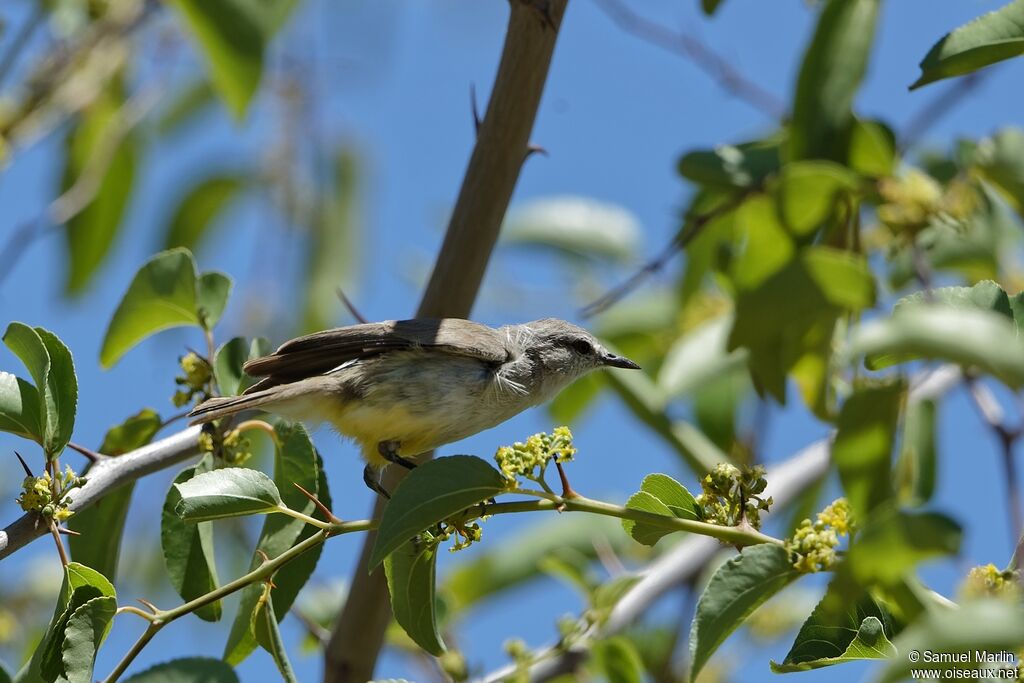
350	306
699	54
60	544
691	228
20	40
935	109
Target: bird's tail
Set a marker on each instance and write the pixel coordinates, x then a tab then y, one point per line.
222	406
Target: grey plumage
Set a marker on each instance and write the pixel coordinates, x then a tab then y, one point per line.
417	384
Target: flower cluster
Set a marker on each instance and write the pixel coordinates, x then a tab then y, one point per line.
732	495
813	546
38	494
530	459
197	375
912	201
232	448
990	581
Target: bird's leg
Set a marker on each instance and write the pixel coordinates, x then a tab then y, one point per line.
370	478
389	451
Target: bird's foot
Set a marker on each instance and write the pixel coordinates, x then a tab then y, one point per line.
389	451
372	480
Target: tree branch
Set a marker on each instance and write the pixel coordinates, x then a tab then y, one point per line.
105	476
502	145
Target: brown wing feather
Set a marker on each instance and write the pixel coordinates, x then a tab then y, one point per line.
320	352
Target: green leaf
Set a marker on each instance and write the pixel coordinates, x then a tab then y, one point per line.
742	166
698	358
860	630
267	634
576	227
162	295
295	462
893	542
188	548
662	495
737	588
19	408
915	469
227	365
985	295
410	571
990	626
971	338
1001	161
809	191
91	232
332	258
232	43
212	290
872	149
862	449
431	493
184	105
986	40
619	661
86	630
61	393
198	210
189	670
831	73
228	492
102	526
710	6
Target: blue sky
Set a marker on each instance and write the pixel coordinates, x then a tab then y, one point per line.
393	80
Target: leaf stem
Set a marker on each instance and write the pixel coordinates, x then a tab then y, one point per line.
285	510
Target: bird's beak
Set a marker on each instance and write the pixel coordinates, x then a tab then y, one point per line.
613	361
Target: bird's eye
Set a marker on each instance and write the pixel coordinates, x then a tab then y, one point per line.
582	347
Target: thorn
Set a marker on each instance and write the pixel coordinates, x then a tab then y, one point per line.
567	492
350	306
153	608
532	149
472	104
263	556
320	506
69	532
92	455
24	465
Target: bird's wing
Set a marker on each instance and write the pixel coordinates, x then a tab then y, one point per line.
321	352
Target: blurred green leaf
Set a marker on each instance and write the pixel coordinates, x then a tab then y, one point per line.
915	470
809	191
742	166
228	492
199	208
985	295
86	630
410	571
102	525
161	295
619	661
19	408
295	462
862	450
738	587
188	548
573	401
232	42
860	631
574	226
90	233
988	626
892	542
661	495
212	290
1001	159
431	493
332	251
831	73
872	149
227	366
699	357
971	338
986	40
188	670
267	634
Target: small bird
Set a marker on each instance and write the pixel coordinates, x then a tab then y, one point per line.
401	388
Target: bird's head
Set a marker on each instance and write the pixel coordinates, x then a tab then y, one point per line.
563	349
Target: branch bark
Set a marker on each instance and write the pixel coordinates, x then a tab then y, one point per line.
502	146
105	476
